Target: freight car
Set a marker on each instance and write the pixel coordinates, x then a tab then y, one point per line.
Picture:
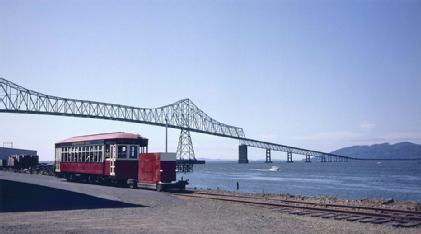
118	158
20	162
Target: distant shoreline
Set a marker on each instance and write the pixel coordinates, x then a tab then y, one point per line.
389	159
314	160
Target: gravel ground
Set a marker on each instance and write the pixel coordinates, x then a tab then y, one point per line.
51	205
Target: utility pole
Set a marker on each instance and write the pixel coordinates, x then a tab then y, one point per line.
166	135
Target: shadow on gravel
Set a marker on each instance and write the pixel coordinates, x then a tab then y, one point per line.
22	197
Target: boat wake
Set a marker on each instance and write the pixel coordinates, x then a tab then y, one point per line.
273	168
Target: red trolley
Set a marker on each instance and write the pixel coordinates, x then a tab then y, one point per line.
117	158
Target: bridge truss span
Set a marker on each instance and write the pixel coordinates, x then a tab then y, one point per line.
183	115
322	156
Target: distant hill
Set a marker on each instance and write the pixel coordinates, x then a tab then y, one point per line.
402	150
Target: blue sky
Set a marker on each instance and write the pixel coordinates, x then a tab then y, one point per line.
313	74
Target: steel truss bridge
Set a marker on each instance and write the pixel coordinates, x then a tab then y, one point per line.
183	115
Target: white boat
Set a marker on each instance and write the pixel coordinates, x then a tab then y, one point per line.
274	168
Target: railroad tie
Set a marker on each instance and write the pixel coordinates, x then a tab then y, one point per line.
380	221
341	217
317	214
367	220
354	218
300	213
407	224
295	212
328	216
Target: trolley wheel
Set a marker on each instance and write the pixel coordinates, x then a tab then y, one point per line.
132	183
159	188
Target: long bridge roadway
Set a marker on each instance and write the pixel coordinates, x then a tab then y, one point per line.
183	115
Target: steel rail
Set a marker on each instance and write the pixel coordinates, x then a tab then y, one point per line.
318	204
390	217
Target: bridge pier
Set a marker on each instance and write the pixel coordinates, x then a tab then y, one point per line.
268	156
242	154
308	160
289	157
323	159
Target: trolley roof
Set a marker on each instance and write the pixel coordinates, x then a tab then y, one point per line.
114	136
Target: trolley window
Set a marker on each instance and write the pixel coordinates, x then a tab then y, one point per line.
122	151
107	151
133	151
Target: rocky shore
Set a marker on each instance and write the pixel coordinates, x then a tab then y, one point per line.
328	200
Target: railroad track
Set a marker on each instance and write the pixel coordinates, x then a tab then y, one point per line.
375	215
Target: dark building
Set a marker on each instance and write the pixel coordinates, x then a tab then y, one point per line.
5	153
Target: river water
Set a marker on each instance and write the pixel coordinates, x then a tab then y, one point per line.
400	180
